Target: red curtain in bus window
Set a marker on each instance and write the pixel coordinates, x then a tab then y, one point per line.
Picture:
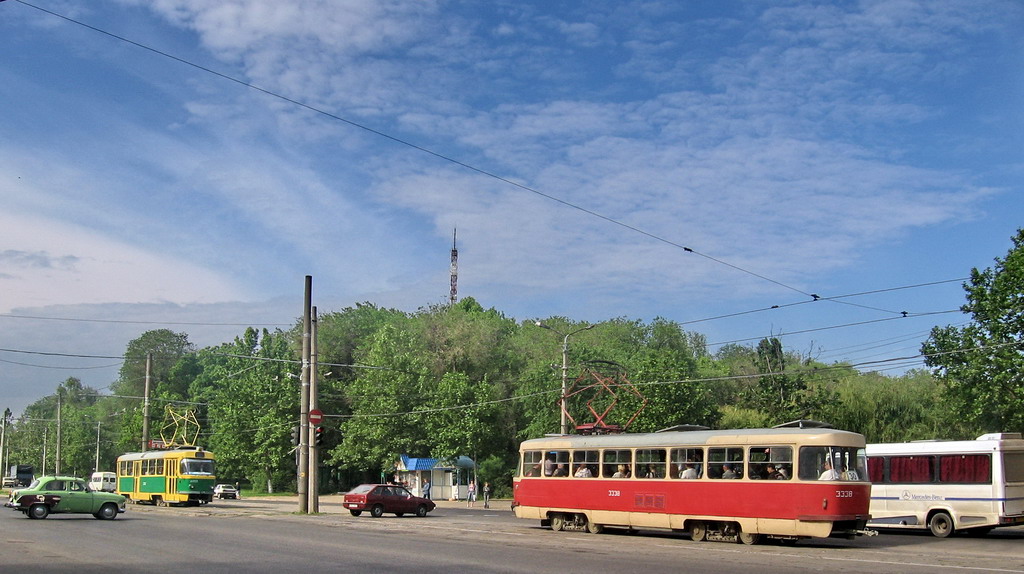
965	468
911	469
875	466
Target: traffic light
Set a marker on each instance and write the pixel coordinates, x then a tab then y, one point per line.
318	436
295	436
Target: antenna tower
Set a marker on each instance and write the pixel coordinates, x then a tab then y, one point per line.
454	295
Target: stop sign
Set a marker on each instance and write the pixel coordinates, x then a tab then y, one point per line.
315	416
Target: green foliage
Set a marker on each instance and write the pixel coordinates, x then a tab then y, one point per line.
981	364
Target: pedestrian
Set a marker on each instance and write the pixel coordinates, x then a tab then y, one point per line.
487	495
471	497
426	489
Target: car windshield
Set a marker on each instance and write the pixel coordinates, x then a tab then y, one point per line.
196	466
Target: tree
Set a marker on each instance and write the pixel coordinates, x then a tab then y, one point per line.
981	365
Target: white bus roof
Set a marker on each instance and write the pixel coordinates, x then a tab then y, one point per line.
985	443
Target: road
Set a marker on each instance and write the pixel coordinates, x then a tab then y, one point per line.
265	535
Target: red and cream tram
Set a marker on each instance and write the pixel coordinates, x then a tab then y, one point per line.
729	485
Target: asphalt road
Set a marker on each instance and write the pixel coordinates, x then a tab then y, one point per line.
266	535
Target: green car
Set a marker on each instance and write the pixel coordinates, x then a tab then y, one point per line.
65	494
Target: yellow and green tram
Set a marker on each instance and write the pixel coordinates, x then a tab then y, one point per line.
182	476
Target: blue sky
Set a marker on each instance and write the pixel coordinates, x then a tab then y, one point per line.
797	148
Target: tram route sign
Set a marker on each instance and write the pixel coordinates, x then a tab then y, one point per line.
316	416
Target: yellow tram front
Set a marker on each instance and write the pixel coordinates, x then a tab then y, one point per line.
181	476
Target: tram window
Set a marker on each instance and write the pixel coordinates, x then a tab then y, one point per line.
725	462
843	463
617	464
560	460
159	466
650	463
194	466
532	462
687	463
770	462
585	463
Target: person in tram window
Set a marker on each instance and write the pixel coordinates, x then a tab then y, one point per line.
621	472
850	475
651	472
773	473
690	472
784	472
829	473
549	466
728	472
559	470
583	472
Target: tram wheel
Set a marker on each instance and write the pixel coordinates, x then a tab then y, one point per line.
748	537
941	525
594	528
698	531
557	522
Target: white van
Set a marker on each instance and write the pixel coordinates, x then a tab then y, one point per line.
103	481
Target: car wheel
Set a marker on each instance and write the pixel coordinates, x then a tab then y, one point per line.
421	510
399	514
356	512
107	512
377	511
39	511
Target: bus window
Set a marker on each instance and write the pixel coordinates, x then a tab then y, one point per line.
687	462
650	463
725	462
912	469
832	463
1013	466
585	463
531	463
617	464
876	469
965	468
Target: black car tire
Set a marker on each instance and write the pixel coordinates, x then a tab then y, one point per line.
107	512
377	511
421	510
356	512
38	511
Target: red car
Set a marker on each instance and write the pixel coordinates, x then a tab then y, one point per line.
381	498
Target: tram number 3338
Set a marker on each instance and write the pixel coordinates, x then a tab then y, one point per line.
844	494
614	493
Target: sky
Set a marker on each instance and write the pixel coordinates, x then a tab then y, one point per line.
823	172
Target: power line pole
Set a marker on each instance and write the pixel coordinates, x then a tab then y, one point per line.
303	472
453	295
314	450
145	403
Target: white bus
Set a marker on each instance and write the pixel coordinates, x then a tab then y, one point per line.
946	486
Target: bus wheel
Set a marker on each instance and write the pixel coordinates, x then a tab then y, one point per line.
748	537
594	528
941	525
698	531
557	522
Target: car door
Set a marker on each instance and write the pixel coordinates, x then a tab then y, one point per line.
75	497
403	500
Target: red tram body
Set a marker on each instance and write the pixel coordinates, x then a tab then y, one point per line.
722	485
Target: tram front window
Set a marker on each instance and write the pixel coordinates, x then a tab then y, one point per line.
832	463
196	466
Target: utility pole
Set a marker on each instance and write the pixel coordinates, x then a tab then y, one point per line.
56	464
96	468
4	457
453	295
303	471
314	450
564	428
145	403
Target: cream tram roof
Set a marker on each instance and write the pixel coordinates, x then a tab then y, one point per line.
815	436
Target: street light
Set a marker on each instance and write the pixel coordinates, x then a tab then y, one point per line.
565	365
